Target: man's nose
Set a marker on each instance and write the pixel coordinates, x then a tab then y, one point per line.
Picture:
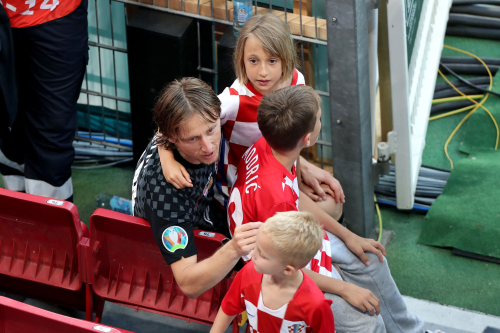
206	144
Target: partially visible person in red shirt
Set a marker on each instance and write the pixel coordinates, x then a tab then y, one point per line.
50	43
29	13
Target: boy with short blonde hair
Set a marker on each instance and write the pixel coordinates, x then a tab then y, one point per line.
295	235
276	294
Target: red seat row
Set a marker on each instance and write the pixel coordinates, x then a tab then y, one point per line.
47	253
16	317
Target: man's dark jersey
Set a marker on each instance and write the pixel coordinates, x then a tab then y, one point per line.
173	213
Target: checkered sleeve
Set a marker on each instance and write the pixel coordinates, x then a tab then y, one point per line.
175	240
230	103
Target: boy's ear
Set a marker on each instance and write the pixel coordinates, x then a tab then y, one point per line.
306	140
290	270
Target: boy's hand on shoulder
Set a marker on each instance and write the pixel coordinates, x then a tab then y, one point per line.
361	298
173	171
314	177
359	245
244	237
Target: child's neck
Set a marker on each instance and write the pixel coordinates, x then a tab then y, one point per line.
287	159
280	290
286	281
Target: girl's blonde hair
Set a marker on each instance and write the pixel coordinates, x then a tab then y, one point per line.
276	40
296	236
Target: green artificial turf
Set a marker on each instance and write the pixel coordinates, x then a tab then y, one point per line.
481	131
87	184
467	215
438	132
434	274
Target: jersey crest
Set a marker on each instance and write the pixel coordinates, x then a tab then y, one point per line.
296	328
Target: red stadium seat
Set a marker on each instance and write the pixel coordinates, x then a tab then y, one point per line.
17	317
129	269
42	250
47	253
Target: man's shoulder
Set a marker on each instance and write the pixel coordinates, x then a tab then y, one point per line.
149	185
150	165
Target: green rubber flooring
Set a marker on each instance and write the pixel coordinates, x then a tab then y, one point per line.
432	273
420	271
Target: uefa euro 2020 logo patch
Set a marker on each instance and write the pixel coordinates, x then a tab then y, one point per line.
174	238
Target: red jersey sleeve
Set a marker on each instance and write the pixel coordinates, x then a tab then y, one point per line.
268	212
323	318
234	303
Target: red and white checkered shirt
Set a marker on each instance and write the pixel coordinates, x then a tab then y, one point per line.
240	130
265	187
307	312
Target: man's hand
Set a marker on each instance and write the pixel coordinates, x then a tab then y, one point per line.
359	245
313	177
244	237
361	298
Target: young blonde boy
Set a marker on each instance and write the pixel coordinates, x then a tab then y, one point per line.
276	294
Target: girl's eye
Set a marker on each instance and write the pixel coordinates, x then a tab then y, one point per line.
253	61
273	61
